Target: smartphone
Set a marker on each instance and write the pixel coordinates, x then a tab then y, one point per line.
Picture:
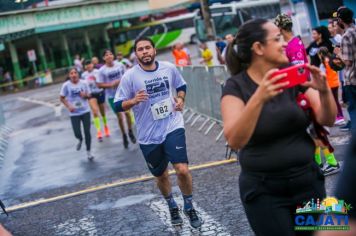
296	74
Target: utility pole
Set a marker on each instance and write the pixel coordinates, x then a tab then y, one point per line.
206	15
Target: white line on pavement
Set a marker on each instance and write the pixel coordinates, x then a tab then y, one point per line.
340	140
209	226
57	108
84	226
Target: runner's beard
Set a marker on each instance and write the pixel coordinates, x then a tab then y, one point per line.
147	63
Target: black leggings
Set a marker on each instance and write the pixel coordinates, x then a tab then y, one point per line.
270	204
85	118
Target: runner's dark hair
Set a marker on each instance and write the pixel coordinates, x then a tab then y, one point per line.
143	39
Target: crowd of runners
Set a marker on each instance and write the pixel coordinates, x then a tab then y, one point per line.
284	159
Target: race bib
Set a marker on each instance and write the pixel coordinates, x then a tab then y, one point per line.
162	109
78	104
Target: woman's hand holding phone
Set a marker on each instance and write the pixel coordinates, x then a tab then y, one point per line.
318	80
270	85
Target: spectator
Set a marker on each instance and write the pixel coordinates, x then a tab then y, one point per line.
276	158
8	81
335	37
206	54
348	55
96	63
180	55
220	44
295	49
221	57
321	37
78	63
120	58
188	54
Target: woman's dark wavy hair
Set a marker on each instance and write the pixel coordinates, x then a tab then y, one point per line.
324	32
239	53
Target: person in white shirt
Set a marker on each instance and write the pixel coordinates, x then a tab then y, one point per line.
109	78
97	99
155	91
74	95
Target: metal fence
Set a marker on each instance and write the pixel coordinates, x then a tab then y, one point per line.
4	136
204	93
57	76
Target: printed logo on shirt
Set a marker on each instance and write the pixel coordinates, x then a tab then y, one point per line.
75	92
115	75
313	51
158	87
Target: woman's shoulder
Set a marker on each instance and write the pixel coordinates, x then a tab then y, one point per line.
237	85
236	80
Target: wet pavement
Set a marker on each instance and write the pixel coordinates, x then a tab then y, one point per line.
40	162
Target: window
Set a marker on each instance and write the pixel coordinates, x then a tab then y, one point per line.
220	10
226	24
179	24
265	11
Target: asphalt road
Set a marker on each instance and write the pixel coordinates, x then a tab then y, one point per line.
114	195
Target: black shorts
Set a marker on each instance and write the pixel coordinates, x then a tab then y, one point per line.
173	150
100	97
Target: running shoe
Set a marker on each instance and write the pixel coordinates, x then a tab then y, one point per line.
321	166
330	169
79	145
340	121
90	156
175	216
132	136
106	131
99	136
346	127
192	215
125	141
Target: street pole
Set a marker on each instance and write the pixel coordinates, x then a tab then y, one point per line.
206	15
209	30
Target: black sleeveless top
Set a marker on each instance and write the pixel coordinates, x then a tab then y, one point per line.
280	142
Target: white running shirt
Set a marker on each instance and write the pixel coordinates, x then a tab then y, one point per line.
156	117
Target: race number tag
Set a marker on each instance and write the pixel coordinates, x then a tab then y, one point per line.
78	104
162	109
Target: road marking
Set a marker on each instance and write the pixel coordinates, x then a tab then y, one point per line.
84	226
117	183
57	108
340	140
123	202
209	226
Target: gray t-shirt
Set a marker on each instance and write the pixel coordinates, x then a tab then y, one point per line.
90	78
156	117
71	92
109	74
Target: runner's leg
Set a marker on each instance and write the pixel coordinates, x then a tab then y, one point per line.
75	120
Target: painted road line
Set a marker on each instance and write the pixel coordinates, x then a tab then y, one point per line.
57	108
83	226
209	227
111	185
340	140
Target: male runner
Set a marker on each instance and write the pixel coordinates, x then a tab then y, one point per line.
149	88
109	78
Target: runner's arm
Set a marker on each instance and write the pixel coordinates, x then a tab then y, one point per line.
140	96
66	103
